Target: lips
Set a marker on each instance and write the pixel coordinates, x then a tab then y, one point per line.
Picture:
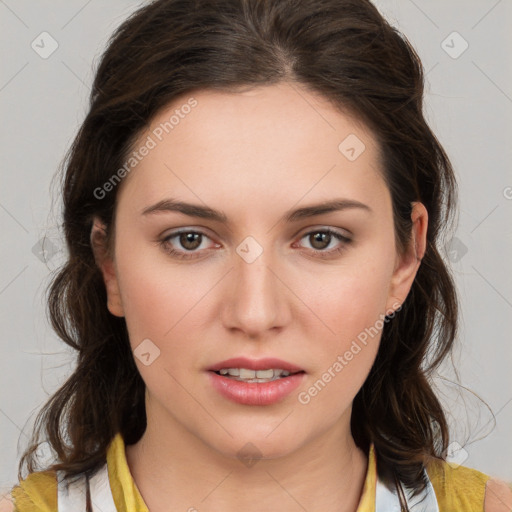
255	364
255	393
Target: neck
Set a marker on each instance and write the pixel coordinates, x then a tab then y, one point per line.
174	470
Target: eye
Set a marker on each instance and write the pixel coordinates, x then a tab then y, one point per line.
189	240
192	240
320	239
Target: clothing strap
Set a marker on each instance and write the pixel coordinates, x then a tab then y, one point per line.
387	500
73	498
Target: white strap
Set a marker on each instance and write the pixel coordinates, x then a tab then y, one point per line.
72	499
387	501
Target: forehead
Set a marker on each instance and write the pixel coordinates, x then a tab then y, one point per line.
268	142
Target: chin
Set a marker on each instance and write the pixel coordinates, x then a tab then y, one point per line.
252	442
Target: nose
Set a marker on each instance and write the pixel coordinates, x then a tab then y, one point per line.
255	300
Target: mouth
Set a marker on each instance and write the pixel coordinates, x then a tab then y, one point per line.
243	368
255	381
248	375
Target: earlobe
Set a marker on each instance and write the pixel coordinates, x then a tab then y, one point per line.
408	263
105	263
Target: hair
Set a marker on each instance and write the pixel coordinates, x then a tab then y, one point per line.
348	53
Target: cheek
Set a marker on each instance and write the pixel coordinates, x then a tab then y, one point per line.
341	363
158	297
350	303
349	299
162	304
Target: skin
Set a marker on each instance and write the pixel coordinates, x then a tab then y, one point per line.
254	155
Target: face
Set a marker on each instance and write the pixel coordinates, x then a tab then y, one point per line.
257	280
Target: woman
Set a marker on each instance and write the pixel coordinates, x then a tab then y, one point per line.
253	208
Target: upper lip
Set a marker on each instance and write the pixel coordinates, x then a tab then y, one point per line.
255	364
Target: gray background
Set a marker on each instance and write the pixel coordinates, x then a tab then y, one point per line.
468	104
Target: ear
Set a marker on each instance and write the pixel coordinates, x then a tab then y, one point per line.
106	264
408	263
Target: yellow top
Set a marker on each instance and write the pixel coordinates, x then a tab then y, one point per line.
457	488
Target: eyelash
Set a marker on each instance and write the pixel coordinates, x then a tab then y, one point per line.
320	253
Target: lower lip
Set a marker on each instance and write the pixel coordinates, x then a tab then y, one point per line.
255	393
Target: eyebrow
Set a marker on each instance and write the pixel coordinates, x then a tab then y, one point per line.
205	212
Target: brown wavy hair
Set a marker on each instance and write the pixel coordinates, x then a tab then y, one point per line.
346	51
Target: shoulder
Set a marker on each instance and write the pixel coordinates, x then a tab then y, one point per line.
498	496
36	493
457	487
450	477
463	488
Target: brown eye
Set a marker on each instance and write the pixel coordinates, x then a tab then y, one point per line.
184	244
321	239
190	240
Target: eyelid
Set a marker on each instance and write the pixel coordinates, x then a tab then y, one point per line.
179	231
344	237
343	242
313	229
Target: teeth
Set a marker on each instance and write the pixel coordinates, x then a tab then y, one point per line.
263	374
246	374
254	375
